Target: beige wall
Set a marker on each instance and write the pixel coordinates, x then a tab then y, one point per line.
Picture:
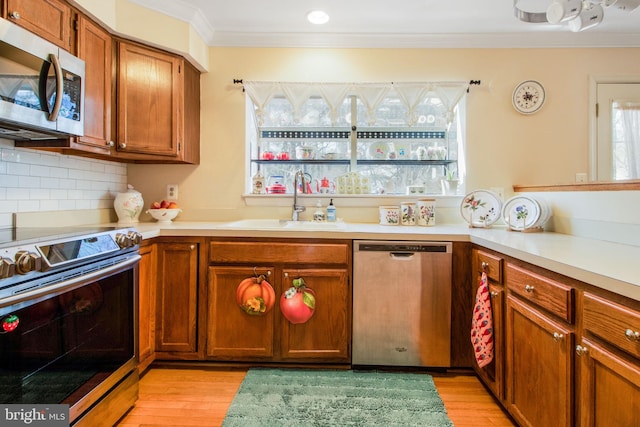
503	146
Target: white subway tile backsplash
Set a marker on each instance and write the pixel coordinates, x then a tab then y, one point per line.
59	194
83	204
15	193
39	194
38	170
18	169
29	181
58	172
43	181
9	206
49	205
28	205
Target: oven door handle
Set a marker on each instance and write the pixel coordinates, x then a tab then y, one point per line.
41	293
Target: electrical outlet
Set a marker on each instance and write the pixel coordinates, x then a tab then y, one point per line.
581	177
172	191
499	192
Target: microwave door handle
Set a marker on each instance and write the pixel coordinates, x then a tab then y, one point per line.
53	115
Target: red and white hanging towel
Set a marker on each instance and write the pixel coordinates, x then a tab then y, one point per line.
482	324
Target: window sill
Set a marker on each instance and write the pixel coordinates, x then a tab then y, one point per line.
346	200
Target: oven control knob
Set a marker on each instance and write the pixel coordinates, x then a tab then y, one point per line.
128	240
27	261
7	268
123	241
135	237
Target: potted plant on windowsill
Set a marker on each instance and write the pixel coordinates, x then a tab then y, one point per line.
450	182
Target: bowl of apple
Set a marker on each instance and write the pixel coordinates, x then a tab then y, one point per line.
164	211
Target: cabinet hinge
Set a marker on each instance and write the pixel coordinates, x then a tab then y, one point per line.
597	109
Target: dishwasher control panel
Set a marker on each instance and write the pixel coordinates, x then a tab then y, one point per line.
402	247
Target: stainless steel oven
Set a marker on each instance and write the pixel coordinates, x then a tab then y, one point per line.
67	324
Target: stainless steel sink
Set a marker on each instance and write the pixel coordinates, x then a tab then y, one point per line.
282	224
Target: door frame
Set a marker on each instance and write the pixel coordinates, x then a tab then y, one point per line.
594	81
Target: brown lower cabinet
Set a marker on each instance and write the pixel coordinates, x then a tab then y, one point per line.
552	378
233	335
146	305
608	354
177	298
539	367
493	373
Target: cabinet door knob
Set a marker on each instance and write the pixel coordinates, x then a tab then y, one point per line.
529	288
485	265
557	336
14	15
493	293
632	335
122	145
111	143
581	351
192	247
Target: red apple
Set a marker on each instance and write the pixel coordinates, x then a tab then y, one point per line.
164	204
155	205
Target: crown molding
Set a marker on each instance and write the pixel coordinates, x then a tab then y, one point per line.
377	40
184	12
540	39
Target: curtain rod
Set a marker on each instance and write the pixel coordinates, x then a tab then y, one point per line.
471	83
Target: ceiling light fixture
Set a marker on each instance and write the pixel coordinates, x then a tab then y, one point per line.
317	17
579	15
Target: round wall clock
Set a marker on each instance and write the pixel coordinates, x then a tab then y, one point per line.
528	97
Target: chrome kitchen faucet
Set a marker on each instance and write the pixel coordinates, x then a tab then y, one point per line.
297	209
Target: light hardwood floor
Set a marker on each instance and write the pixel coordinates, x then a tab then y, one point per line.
201	397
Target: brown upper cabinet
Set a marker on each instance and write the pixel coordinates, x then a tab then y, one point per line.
50	19
156	92
141	104
95	48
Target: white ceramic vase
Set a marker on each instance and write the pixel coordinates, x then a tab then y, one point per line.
128	206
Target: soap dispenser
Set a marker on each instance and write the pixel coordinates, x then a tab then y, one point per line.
318	215
331	212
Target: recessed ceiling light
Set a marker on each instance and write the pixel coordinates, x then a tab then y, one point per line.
318	17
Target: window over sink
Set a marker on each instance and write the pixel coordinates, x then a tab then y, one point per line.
355	139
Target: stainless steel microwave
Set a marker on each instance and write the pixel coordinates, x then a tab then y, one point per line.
41	87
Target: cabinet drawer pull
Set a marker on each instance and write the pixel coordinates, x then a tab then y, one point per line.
14	15
529	288
557	336
632	335
581	351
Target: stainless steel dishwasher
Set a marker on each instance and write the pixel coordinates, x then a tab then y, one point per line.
402	303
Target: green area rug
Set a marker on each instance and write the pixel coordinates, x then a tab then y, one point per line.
288	397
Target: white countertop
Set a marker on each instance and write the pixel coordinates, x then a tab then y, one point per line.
610	266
